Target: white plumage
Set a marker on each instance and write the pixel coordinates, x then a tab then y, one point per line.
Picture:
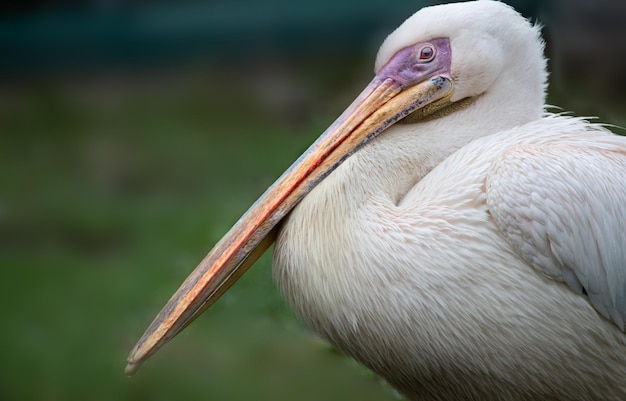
442	270
476	251
442	293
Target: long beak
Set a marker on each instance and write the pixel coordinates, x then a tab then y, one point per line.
383	102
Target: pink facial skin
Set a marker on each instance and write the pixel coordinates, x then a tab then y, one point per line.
415	64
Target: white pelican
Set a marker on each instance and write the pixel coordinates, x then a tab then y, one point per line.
475	250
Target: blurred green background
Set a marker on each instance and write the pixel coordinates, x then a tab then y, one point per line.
134	134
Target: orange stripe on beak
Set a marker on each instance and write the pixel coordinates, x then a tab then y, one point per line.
382	103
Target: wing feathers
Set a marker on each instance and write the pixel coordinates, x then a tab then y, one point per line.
562	206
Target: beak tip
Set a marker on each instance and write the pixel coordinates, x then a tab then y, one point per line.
131	368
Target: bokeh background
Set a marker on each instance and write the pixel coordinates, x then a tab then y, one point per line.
133	134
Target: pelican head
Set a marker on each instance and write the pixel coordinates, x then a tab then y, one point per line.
489	42
441	60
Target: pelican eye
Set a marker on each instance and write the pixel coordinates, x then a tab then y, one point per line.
426	53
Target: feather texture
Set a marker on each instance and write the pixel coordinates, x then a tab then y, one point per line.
561	203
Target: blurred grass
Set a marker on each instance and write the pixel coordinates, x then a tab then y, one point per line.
112	190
